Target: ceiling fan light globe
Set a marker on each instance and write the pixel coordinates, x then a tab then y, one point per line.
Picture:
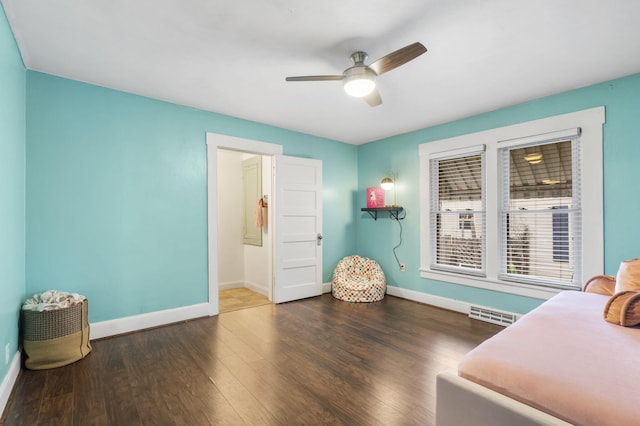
359	87
359	81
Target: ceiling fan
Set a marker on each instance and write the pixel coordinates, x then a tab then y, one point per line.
359	80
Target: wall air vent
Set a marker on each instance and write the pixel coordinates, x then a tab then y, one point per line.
492	316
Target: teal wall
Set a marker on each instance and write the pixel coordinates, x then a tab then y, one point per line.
621	155
116	192
116	195
12	189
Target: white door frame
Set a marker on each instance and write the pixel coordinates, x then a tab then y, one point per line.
217	141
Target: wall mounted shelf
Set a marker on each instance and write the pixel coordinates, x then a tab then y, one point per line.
394	211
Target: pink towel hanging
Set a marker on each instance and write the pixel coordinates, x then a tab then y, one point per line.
258	213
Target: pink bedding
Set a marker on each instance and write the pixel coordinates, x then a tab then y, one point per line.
565	359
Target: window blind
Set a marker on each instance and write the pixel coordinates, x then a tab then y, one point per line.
541	213
458	214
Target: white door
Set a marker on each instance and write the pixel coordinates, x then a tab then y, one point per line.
298	228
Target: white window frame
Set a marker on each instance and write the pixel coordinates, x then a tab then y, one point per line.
590	122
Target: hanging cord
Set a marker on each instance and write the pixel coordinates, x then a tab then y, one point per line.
400	243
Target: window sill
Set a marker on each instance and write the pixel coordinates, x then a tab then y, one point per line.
493	284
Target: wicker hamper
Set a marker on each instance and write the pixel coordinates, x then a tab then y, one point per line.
57	337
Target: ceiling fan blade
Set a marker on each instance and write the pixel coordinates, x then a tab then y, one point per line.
315	78
373	98
397	58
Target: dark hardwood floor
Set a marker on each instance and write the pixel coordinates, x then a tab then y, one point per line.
315	361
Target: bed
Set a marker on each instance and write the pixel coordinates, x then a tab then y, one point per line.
560	364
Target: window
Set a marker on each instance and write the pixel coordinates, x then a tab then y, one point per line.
457	213
503	209
539	244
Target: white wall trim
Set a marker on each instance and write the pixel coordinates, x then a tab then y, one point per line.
143	321
439	301
230	285
326	288
9	381
430	299
257	288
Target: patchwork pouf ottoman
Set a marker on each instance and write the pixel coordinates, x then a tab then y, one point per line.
358	279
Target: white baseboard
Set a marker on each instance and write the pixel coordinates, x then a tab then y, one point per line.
417	296
430	299
440	302
257	288
244	284
9	381
159	318
230	284
152	319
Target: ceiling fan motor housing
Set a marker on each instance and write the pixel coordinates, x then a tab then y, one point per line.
358	58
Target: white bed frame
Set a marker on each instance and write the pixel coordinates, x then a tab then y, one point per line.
462	402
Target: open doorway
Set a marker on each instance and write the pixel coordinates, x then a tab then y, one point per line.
245	238
216	142
294	220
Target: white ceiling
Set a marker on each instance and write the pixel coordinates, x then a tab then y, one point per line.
232	56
